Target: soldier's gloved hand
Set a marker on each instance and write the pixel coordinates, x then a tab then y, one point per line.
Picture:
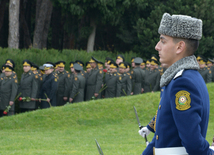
144	132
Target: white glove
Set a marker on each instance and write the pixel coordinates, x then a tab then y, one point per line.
212	148
144	132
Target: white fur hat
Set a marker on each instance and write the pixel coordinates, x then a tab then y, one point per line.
181	26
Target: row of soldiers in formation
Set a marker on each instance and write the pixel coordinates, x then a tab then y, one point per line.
51	85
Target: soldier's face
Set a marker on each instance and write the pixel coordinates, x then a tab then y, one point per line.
88	70
152	67
209	65
61	69
121	70
113	70
72	69
167	50
47	72
142	66
133	64
202	66
118	61
7	73
127	69
26	68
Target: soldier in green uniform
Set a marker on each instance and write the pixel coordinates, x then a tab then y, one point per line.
11	63
8	91
204	71
120	58
82	65
152	78
132	61
113	82
28	87
211	67
128	69
100	65
39	79
88	67
147	64
63	84
126	83
71	79
94	80
143	66
138	77
77	93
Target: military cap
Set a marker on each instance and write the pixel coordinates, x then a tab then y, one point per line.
148	61
119	56
132	59
210	61
88	65
60	64
10	61
94	60
71	64
106	59
48	66
138	60
26	63
78	67
54	65
100	63
181	26
154	57
109	61
80	63
153	62
199	57
113	65
128	65
42	68
143	63
34	67
202	60
123	65
8	68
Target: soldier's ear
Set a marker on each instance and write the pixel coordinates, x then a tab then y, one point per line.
180	47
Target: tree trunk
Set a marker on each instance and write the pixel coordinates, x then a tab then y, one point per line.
2	10
56	27
13	38
25	33
91	38
43	17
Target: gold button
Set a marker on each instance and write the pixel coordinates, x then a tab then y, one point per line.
156	137
159	106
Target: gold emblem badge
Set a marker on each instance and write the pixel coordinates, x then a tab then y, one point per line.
130	77
75	79
40	78
101	72
36	76
132	72
210	71
68	75
120	78
16	81
56	79
182	100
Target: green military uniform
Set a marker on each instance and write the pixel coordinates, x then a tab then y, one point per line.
126	83
206	74
152	81
138	77
77	92
8	91
212	71
94	81
28	87
63	87
113	85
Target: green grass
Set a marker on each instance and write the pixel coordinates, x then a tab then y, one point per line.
73	129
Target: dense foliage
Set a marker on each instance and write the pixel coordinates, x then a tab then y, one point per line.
120	25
